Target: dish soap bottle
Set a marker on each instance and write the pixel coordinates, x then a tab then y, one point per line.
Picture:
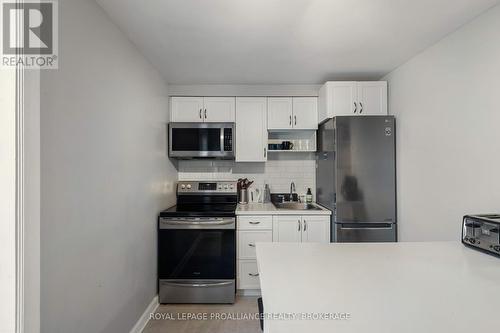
309	196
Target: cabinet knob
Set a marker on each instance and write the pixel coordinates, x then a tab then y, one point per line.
361	105
298	224
251	244
305	225
290	121
253	274
254	222
295	120
200	112
205	113
355	107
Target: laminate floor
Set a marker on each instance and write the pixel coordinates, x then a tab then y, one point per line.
206	318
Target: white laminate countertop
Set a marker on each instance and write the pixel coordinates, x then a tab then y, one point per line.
269	209
386	287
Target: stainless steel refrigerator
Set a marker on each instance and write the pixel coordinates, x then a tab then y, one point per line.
356	177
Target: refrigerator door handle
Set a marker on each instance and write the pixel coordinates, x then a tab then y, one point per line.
366	226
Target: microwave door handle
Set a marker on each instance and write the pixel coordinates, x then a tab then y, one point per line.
222	140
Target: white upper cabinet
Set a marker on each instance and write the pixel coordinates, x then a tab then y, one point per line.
372	98
202	109
350	98
305	112
219	109
186	109
279	113
251	129
292	113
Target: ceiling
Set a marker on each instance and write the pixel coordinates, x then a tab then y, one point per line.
285	41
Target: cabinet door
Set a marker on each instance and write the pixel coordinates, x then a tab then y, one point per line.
279	113
186	109
343	99
287	228
251	129
316	229
305	113
372	98
219	109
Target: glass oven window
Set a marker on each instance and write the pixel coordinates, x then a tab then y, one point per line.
196	139
197	254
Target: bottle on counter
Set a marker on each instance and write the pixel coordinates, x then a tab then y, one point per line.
309	196
267	194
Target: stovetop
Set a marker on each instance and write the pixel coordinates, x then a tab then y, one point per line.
219	210
204	199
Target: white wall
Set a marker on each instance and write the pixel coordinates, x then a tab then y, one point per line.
105	176
446	101
8	200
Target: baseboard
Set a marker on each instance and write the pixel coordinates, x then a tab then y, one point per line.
143	320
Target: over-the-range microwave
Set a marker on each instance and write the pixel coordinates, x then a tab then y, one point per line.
201	140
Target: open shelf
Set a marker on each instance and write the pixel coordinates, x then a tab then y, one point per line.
304	141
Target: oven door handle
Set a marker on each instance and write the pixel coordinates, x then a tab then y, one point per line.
173	223
202	285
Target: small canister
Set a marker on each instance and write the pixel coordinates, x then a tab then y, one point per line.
243	196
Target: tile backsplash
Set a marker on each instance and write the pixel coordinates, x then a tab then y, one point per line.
279	171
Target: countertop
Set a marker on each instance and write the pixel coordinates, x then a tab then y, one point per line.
385	287
269	209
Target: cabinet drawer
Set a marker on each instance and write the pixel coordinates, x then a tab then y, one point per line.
247	240
255	222
248	275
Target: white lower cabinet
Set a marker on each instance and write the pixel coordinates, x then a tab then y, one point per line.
250	230
248	275
269	228
297	228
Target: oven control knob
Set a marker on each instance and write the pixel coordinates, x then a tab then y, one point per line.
183	186
188	186
225	187
220	187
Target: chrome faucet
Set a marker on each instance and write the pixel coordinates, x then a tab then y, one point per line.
292	190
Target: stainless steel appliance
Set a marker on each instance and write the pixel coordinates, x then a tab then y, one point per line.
356	177
201	140
481	232
197	245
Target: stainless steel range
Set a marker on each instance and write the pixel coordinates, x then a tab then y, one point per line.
197	244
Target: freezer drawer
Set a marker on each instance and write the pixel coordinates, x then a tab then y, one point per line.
367	232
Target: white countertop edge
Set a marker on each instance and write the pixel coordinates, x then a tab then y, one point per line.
269	209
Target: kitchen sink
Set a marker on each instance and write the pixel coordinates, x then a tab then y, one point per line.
295	206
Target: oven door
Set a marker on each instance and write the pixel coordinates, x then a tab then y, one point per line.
201	140
201	248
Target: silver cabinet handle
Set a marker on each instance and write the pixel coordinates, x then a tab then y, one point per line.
290	121
361	104
305	225
295	120
251	244
355	107
299	224
200	112
205	113
254	222
253	274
